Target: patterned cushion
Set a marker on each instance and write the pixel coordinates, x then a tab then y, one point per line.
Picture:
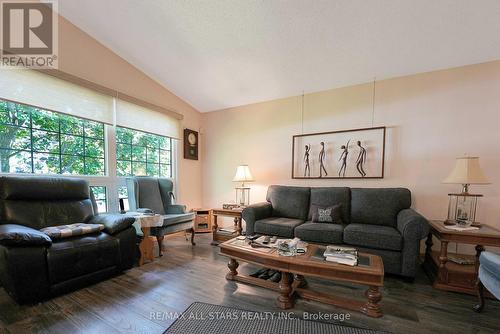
67	231
331	214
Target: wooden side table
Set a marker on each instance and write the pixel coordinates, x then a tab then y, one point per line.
452	276
202	221
145	222
219	235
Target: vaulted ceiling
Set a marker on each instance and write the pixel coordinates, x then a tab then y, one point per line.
222	53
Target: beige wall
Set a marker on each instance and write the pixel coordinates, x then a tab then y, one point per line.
431	118
83	56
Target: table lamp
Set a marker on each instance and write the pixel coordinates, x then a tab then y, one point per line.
462	206
243	175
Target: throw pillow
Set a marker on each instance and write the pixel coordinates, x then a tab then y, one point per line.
72	230
330	214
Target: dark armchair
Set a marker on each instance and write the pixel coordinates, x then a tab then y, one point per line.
33	267
156	194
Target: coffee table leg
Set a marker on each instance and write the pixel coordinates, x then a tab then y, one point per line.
301	281
372	308
285	288
232	265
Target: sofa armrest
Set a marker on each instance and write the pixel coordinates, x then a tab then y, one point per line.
255	212
113	223
19	235
412	225
176	209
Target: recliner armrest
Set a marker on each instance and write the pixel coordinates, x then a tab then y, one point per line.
144	210
255	212
412	225
113	223
176	209
19	235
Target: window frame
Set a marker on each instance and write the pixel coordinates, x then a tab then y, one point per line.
146	148
110	180
32	151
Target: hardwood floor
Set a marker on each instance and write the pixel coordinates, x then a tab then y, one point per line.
135	301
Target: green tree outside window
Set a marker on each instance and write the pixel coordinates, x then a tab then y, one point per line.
142	154
34	140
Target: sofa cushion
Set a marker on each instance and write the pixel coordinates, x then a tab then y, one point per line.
173	219
78	256
329	196
279	226
491	262
72	230
289	202
43	188
381	237
331	214
320	233
378	206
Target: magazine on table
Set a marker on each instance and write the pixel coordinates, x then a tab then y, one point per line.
341	254
334	250
349	262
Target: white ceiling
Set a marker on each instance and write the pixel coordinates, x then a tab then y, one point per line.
222	53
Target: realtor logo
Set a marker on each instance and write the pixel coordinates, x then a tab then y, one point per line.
29	34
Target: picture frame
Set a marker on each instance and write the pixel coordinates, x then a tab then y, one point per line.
326	156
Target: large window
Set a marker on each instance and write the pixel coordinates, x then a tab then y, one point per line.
141	153
57	124
34	140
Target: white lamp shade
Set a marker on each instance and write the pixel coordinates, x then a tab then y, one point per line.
243	174
467	171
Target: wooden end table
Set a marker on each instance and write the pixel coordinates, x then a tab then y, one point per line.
145	222
219	236
294	269
451	276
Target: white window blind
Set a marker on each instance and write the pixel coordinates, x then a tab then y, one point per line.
133	116
48	92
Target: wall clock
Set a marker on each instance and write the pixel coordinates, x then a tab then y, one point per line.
190	144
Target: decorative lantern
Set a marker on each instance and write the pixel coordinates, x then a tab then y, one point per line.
462	207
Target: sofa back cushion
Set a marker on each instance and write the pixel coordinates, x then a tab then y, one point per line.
378	206
289	202
39	202
144	193
330	196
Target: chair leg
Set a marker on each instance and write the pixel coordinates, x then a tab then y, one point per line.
480	294
160	241
192	236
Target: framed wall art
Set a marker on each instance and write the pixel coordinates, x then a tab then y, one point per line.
346	154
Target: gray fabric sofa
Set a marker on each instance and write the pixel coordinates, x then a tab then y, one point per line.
374	220
156	193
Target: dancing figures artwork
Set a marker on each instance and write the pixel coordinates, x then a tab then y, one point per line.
346	154
307	168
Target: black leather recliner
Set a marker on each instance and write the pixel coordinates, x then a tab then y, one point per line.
32	266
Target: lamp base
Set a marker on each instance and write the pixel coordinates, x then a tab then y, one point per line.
243	196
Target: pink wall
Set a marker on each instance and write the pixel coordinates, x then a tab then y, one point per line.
83	56
432	118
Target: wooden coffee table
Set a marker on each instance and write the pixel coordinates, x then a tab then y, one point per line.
369	271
